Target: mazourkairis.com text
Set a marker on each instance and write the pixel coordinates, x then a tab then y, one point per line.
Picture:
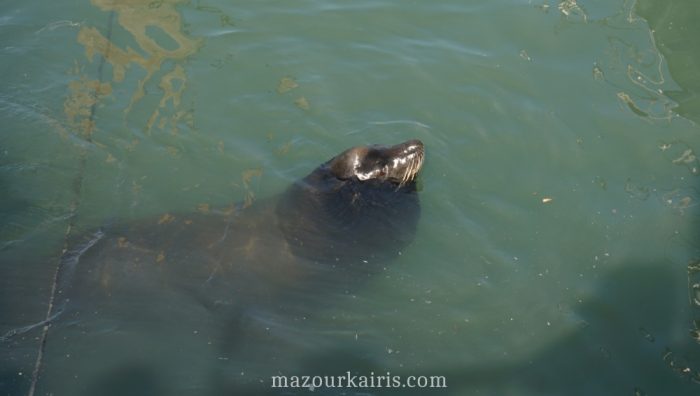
358	381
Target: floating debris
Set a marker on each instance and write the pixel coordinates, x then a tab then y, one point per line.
598	74
174	151
302	103
687	157
166	218
626	99
286	84
570	7
601	182
636	191
680	153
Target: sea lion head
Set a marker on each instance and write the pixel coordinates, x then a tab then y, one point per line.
361	205
397	164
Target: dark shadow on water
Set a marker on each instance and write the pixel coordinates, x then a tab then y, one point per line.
11	383
632	340
131	379
633	335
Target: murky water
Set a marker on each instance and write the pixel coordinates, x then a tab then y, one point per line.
557	250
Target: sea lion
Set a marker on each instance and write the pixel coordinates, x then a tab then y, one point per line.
174	289
350	214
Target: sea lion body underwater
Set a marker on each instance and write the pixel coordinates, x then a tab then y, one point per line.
338	225
187	302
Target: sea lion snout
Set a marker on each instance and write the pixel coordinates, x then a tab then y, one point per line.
405	161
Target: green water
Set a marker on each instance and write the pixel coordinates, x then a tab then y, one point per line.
557	250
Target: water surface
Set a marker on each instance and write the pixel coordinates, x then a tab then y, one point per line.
557	250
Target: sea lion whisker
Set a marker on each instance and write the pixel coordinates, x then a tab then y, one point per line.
407	175
409	171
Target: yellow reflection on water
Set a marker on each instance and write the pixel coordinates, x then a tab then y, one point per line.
136	17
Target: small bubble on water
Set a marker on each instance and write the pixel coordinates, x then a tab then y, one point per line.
525	56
